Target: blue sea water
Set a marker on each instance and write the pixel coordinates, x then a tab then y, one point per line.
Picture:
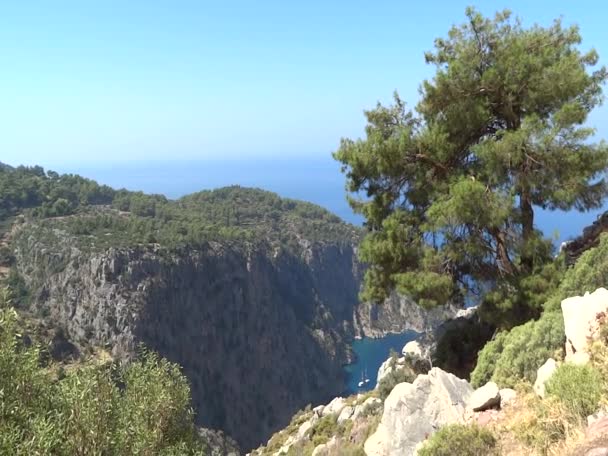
371	353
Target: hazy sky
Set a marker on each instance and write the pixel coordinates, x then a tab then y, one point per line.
88	81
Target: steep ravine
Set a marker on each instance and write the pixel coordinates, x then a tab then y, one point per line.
260	331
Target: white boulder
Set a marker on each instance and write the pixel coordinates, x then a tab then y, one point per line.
345	414
544	373
580	322
335	406
507	395
413	411
412	348
484	398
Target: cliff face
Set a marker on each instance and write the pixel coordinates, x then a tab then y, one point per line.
260	332
397	314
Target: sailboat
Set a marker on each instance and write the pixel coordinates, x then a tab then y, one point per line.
365	376
362	382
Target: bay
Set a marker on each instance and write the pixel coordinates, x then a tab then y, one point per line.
371	353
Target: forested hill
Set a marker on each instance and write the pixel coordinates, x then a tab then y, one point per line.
231	213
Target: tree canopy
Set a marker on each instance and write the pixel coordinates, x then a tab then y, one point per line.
451	188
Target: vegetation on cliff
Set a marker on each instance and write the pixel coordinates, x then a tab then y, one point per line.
452	187
92	407
515	355
105	217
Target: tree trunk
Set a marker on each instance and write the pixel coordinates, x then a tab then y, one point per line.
527	227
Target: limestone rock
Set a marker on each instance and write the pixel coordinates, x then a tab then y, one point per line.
335	406
369	404
413	411
581	324
600	451
485	397
507	395
345	414
385	368
318	410
412	348
325	449
544	373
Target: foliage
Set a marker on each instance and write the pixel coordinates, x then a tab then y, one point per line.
102	217
48	194
324	429
141	408
578	387
450	190
517	354
544	422
462	440
393	378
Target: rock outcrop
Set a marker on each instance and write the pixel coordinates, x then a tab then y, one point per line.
398	314
581	323
259	331
544	373
589	239
485	397
413	411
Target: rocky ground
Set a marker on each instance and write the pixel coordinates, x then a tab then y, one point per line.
399	424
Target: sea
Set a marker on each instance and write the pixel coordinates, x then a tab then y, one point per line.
316	179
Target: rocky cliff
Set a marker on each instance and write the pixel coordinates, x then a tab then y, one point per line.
260	332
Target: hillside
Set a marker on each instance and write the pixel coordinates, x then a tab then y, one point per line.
253	295
539	388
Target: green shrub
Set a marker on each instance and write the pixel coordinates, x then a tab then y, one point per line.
140	408
324	429
461	440
516	354
578	388
393	378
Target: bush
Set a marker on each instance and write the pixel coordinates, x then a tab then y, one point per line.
578	388
461	440
324	429
393	378
139	408
544	422
516	354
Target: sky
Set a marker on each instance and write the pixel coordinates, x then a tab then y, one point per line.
85	82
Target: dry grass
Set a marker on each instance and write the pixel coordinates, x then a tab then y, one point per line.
530	425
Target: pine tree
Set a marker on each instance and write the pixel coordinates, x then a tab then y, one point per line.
451	188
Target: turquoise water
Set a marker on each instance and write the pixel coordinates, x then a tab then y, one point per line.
371	353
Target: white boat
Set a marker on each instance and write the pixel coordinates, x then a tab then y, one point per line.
361	383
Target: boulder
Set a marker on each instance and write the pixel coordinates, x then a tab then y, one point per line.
412	348
345	414
485	398
325	449
369	404
413	411
386	368
335	406
581	324
507	395
544	373
599	451
318	410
